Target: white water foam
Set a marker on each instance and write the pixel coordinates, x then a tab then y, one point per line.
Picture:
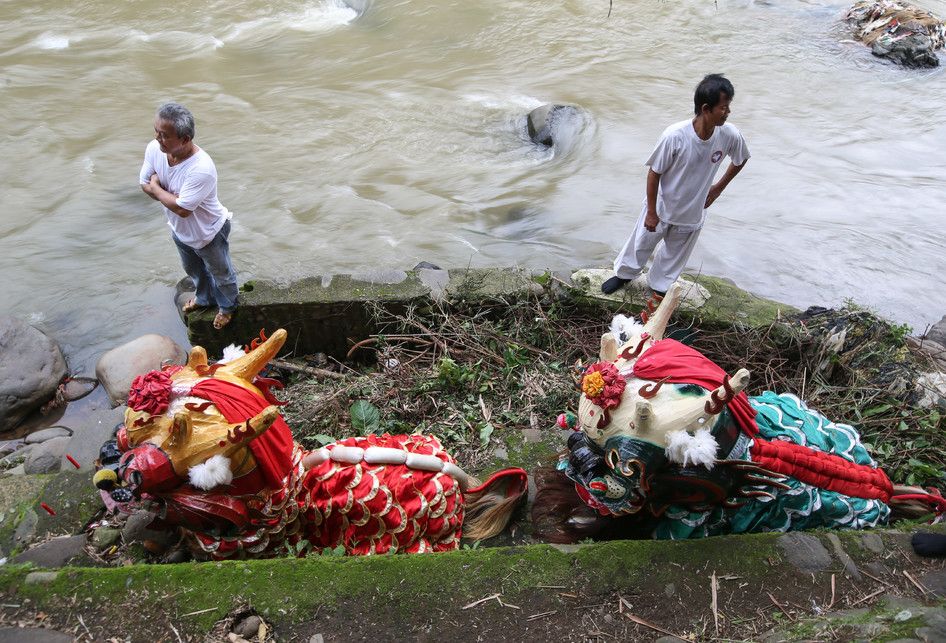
511	102
192	41
51	41
323	16
464	242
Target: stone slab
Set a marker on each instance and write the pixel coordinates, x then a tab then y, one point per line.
55	552
33	635
804	551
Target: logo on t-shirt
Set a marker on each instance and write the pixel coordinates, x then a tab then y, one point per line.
718	154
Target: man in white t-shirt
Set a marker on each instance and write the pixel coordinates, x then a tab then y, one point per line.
183	178
680	187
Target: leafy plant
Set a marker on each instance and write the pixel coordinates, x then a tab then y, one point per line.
298	549
451	375
486	430
336	551
365	416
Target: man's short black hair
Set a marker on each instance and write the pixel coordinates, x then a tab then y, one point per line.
708	91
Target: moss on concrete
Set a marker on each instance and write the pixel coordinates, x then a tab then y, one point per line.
74	499
376	597
336	288
330	314
729	304
17	495
489	283
321	314
878	624
286	589
526	454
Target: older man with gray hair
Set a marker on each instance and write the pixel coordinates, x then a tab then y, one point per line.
183	178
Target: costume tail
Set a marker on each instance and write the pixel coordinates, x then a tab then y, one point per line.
489	505
559	515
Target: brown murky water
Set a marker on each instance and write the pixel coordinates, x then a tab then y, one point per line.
375	138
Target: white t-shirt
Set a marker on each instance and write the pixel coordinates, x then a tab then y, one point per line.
195	182
686	165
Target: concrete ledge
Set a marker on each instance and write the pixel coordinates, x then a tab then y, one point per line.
397	597
330	314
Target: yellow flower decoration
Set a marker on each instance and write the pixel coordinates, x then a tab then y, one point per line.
592	384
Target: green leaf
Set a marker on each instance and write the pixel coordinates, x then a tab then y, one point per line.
485	432
365	416
875	410
322	439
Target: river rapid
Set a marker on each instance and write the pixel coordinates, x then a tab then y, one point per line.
352	139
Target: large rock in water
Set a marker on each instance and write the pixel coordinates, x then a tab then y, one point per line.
898	30
118	367
31	367
545	120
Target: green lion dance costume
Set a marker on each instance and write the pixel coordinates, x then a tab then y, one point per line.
666	440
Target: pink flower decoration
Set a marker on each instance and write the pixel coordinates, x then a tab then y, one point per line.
150	393
603	384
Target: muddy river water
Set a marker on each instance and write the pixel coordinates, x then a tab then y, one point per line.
381	133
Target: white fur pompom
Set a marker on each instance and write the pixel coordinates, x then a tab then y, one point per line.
685	449
677	443
214	472
230	353
623	328
702	449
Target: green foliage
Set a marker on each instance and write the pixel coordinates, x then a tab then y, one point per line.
299	549
486	430
899	332
515	357
451	375
365	416
907	442
329	552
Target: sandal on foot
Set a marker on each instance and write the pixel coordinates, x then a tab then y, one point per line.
191	305
222	319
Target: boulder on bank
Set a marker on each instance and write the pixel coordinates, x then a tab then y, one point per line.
937	332
545	123
46	457
117	368
31	368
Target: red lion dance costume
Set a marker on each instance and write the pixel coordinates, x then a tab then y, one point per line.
206	449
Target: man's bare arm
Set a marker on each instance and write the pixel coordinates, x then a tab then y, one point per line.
146	188
167	199
720	185
653	183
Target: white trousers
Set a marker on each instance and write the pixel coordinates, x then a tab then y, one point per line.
671	257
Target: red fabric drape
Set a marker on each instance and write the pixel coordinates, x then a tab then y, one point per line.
681	364
273	449
822	470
